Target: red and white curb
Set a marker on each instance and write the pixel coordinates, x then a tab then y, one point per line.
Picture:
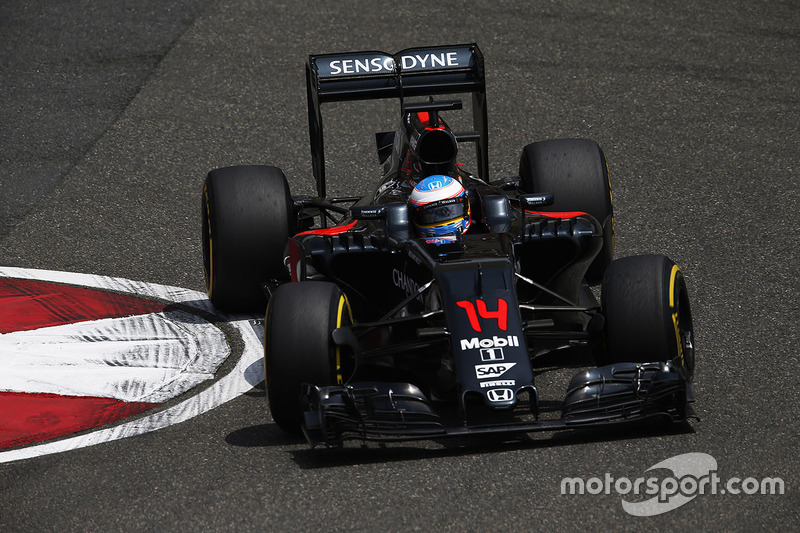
112	348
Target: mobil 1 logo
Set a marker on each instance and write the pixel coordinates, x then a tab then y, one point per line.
476	343
492	354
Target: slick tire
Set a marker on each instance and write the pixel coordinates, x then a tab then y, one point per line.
298	346
575	171
247	217
647	315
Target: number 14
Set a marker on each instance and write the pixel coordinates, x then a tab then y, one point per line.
501	314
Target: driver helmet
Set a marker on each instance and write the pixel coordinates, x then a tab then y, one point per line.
439	207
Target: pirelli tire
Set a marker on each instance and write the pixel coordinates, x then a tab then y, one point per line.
248	217
299	347
575	171
647	314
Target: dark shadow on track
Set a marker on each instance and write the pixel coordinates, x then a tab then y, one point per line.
372	453
262	435
354	452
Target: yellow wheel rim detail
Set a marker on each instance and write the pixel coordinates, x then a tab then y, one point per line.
339	315
672	304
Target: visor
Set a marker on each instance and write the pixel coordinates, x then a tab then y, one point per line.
441	212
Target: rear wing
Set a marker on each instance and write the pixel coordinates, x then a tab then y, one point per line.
412	72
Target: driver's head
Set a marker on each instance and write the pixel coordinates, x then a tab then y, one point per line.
439	207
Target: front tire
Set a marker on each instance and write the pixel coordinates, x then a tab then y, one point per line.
647	314
299	348
248	217
575	171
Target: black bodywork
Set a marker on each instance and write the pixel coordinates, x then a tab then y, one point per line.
447	335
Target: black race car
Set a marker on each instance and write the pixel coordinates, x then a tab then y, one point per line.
380	328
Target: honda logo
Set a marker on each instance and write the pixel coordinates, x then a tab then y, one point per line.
500	395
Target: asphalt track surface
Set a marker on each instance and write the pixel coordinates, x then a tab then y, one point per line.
113	113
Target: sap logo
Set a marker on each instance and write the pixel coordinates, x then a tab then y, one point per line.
416	61
494	370
361	66
500	395
499	383
495	342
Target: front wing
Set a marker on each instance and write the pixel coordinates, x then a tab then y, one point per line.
383	411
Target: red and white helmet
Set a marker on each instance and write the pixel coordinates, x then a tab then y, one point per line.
439	207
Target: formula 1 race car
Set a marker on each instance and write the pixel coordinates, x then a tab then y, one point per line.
425	309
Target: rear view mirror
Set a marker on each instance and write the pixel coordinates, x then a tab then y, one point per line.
530	201
368	212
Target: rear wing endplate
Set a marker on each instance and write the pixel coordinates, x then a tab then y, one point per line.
412	72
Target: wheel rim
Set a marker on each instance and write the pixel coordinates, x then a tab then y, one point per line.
344	317
682	322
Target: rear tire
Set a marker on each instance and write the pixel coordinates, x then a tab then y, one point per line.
575	171
299	348
248	217
647	314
